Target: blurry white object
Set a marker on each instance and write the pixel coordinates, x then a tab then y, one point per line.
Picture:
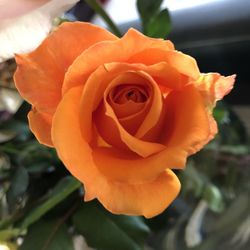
242	234
10	100
80	243
25	23
193	235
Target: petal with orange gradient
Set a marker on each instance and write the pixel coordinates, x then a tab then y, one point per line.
187	120
148	199
98	81
190	130
112	51
40	74
214	87
184	131
106	121
105	118
40	125
183	63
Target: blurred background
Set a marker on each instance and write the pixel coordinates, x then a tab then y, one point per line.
212	211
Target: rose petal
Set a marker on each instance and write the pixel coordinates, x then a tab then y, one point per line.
100	78
104	121
132	122
154	113
183	63
127	109
131	114
185	130
105	52
148	199
187	122
214	87
40	74
40	125
127	167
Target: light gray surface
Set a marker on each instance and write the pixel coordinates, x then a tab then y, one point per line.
217	22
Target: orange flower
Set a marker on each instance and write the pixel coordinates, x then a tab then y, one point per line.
121	113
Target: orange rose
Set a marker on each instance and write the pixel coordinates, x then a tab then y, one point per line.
121	113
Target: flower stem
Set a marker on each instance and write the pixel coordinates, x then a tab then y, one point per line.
95	5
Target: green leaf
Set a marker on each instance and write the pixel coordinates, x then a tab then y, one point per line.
45	235
226	225
97	7
148	8
7	234
159	26
22	112
37	158
62	190
196	182
234	214
192	180
235	149
214	198
221	114
7	135
17	129
106	231
19	184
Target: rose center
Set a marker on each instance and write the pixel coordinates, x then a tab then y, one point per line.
125	93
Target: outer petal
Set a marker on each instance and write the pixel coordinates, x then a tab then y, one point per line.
214	87
183	63
129	168
40	125
105	52
40	74
148	199
187	120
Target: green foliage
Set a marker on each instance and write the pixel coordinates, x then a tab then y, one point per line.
18	186
232	131
155	22
16	129
8	234
214	198
196	182
159	25
63	189
48	235
148	8
105	231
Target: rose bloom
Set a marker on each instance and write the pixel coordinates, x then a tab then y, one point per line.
120	112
